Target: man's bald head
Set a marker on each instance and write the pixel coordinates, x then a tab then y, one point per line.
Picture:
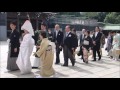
57	27
67	28
83	31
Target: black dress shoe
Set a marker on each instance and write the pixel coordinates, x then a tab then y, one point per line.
73	64
99	58
34	67
86	62
111	57
65	65
93	60
83	60
57	63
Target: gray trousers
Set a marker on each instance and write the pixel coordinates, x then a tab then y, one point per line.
68	54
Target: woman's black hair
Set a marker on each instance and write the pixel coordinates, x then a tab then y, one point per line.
88	31
74	30
44	24
43	34
14	23
98	27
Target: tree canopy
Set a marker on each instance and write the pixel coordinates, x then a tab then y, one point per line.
107	17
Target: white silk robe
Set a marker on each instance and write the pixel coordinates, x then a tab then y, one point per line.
26	49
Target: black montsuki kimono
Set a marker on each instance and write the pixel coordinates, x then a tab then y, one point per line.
14	43
12	56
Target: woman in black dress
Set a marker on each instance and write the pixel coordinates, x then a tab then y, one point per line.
87	44
14	45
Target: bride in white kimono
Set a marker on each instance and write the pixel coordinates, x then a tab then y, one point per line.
26	49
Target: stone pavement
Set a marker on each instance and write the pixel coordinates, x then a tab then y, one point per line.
106	68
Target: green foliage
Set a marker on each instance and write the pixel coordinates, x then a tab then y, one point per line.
107	17
113	17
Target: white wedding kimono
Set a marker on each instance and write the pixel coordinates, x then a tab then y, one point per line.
26	49
115	50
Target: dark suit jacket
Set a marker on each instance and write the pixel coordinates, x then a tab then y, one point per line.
14	41
81	39
76	41
97	38
59	39
36	36
69	41
50	36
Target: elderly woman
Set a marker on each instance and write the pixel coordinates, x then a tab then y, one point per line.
26	49
46	54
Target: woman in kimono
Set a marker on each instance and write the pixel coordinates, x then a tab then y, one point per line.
116	47
46	54
26	49
14	45
87	44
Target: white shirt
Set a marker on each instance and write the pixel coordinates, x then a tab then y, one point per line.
57	32
96	34
83	36
12	31
67	33
44	30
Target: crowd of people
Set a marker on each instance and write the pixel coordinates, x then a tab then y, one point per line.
47	43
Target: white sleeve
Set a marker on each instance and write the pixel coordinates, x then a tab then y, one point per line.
26	41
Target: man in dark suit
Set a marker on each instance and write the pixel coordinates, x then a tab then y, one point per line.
96	43
68	46
75	39
58	39
82	36
50	35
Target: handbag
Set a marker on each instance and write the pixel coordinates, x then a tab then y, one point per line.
85	42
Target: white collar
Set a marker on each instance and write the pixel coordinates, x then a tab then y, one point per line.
44	30
96	32
68	32
57	30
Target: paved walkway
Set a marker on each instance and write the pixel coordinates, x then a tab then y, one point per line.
106	68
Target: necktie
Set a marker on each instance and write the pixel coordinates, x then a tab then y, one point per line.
66	34
83	36
95	34
56	33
